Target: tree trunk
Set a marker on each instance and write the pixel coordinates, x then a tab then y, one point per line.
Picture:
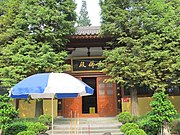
134	102
16	104
39	108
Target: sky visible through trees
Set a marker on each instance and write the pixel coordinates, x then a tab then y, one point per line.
93	10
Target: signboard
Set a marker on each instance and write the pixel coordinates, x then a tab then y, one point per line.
125	99
86	64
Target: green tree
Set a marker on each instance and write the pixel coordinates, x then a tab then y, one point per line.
162	113
83	18
38	40
8	11
145	44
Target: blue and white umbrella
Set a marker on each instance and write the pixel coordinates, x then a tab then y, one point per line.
50	85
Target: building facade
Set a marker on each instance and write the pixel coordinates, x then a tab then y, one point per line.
85	51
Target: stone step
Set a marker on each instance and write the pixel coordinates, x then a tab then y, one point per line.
84	126
85	132
88	130
86	120
83	122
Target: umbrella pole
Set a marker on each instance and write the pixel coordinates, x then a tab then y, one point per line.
52	114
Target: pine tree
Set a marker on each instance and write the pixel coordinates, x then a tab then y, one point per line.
83	19
146	44
32	38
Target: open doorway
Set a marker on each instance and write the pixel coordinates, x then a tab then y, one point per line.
89	103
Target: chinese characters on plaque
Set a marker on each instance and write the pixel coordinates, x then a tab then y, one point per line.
86	64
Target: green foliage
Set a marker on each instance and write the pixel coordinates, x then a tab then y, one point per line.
37	127
162	112
135	132
33	37
15	128
8	11
128	126
125	117
162	108
7	111
38	57
34	40
27	133
136	119
45	119
177	116
83	18
145	42
3	90
145	124
26	119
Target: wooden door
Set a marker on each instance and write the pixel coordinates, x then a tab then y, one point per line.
107	99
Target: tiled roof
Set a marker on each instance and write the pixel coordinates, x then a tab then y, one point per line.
88	30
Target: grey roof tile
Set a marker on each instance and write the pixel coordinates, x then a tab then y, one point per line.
87	30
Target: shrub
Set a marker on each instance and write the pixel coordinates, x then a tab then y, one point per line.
135	132
7	111
145	124
162	112
37	127
26	119
27	133
15	128
125	117
128	126
136	119
46	119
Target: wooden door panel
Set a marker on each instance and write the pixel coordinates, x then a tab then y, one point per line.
107	99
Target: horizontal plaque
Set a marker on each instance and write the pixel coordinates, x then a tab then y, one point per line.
86	64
